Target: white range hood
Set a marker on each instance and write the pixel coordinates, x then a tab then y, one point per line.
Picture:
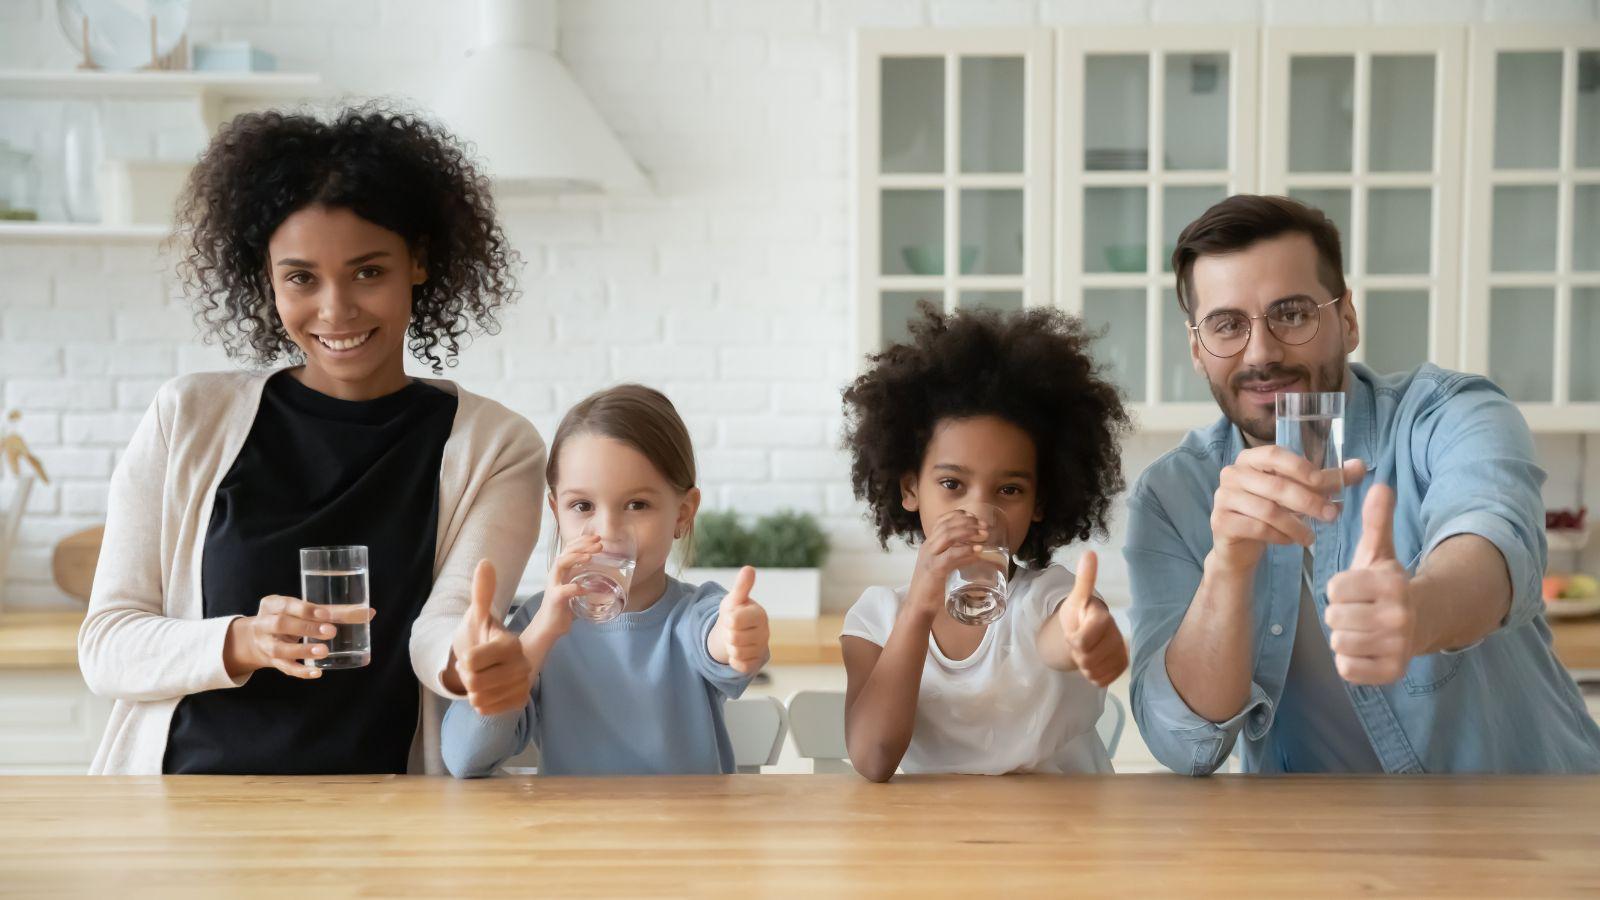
532	125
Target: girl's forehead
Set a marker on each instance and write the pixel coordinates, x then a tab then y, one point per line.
983	443
589	458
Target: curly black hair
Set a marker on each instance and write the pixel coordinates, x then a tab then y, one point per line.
393	169
1031	368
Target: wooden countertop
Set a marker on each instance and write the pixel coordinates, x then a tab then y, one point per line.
802	835
807	642
1577	643
35	640
39	640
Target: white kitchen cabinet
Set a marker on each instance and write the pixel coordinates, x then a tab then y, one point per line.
953	164
1462	165
49	722
1365	124
1154	125
1533	220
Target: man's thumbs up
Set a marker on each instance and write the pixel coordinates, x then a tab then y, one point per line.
1377	528
487	659
1092	636
740	636
1371	621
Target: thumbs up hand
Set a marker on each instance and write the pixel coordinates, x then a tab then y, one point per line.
487	659
739	639
1371	619
1092	636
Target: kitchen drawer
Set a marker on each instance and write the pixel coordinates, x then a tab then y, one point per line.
49	722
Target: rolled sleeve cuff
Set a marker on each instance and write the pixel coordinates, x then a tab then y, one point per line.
1525	570
1209	742
442	669
216	637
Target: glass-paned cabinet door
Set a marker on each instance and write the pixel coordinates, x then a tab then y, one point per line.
1533	209
1154	126
1365	125
953	174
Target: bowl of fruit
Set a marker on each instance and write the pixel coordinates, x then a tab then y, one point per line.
1571	596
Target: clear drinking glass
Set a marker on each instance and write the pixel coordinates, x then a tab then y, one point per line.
1312	425
605	578
975	594
336	577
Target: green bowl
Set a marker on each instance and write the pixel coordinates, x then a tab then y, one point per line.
928	259
1126	257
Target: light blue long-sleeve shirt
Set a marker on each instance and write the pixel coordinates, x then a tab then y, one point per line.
639	695
1461	461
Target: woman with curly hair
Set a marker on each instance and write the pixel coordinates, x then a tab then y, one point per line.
982	409
336	245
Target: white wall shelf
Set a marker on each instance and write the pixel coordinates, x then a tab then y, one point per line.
54	84
219	94
75	231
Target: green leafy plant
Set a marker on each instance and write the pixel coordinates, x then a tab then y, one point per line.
720	542
788	540
782	540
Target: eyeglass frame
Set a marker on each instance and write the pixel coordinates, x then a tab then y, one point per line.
1250	328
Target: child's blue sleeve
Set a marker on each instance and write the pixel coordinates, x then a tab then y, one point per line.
474	746
693	629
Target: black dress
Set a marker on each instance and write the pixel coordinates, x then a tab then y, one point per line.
317	471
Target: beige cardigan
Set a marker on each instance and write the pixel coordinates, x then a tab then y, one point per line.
145	642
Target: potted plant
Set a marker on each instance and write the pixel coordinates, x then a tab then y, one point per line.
787	548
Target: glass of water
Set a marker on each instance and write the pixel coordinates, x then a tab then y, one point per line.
605	578
1312	425
336	578
975	594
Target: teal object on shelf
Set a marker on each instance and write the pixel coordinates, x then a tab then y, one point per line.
232	56
928	259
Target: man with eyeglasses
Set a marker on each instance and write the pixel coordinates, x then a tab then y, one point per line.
1402	633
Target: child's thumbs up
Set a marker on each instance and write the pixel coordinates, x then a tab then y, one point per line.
480	612
740	595
488	660
740	636
1092	636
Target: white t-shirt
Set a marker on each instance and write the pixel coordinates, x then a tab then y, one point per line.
1001	709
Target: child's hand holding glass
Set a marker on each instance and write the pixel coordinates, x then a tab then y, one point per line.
955	541
555	611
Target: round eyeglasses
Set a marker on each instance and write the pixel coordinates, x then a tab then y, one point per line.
1292	320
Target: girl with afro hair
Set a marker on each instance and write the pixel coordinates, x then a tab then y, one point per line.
983	414
337	245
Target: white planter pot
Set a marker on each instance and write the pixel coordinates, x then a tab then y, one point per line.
784	593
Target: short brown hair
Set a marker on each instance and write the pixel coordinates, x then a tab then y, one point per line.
1242	220
639	416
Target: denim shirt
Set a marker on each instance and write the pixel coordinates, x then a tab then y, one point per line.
1460	459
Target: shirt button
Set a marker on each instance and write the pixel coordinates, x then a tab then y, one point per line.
1276	630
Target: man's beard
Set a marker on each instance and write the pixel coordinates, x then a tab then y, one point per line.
1264	428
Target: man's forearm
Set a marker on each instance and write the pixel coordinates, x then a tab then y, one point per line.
1209	658
1461	594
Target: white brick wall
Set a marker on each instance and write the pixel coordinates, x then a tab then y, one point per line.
729	286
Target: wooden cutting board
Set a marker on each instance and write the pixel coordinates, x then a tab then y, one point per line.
74	561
